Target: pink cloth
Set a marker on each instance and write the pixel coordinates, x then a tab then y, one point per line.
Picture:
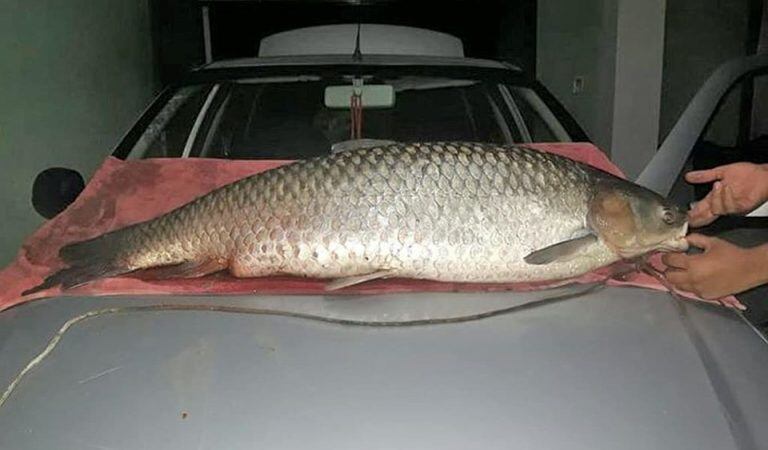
125	192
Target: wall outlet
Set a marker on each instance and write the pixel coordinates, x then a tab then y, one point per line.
577	86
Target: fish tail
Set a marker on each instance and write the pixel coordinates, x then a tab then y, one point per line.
91	250
88	260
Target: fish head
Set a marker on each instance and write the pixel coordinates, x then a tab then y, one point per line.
633	220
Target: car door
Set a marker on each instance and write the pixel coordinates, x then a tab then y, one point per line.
697	122
725	122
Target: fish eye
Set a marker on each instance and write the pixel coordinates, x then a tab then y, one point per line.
668	216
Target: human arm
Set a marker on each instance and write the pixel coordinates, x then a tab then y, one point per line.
722	269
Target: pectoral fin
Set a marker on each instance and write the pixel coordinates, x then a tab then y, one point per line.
341	283
562	251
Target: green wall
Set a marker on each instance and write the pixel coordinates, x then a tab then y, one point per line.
74	75
700	35
578	38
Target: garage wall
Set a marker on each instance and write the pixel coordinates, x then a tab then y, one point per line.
637	86
616	49
579	39
700	35
73	76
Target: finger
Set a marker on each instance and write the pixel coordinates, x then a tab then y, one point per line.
678	278
700	215
732	302
685	286
701	207
704	176
676	260
699	240
716	203
701	212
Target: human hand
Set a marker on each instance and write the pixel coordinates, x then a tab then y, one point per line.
739	188
722	269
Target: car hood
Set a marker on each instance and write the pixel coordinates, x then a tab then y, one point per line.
612	367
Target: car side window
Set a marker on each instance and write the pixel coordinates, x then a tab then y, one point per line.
538	129
166	135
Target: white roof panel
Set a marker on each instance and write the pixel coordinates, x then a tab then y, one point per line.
374	40
384	60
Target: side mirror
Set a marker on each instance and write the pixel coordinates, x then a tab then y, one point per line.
55	189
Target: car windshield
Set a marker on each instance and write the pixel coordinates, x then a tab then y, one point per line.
291	117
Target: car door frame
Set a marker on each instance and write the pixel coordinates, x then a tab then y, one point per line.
665	168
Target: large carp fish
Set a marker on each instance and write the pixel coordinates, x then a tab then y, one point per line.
459	212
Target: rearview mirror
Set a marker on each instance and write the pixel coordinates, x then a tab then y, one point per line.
373	96
54	189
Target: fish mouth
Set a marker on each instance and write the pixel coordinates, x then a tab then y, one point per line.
677	243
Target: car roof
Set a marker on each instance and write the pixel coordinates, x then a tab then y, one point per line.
384	60
369	38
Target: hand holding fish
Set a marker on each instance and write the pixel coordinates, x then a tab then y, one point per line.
738	189
722	269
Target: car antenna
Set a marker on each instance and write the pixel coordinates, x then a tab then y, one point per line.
357	55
